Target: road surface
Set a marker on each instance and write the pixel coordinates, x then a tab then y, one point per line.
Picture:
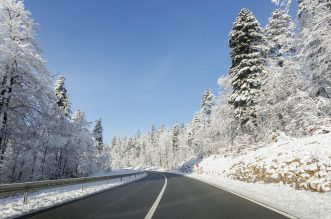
161	195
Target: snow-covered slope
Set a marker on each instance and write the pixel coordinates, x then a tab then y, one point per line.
292	175
302	163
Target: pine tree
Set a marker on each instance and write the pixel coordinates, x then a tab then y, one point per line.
97	134
247	66
175	137
280	38
282	78
62	97
153	136
315	41
208	102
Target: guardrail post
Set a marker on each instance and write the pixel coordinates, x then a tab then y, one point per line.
82	187
121	178
25	198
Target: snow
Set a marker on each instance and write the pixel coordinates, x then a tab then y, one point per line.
314	154
13	206
299	162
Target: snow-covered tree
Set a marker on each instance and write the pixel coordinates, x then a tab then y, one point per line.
80	154
207	103
315	41
97	134
62	96
38	140
284	4
24	79
247	67
153	136
175	137
264	94
195	133
284	105
280	37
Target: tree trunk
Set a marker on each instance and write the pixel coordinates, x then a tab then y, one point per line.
2	155
21	172
33	165
14	167
7	87
65	165
59	164
43	162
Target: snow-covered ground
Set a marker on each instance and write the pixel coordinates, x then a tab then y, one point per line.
285	175
13	206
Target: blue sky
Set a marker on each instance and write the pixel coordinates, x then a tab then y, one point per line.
138	62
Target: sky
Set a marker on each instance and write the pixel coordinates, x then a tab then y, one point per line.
136	63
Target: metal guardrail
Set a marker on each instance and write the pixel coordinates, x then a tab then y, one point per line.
25	188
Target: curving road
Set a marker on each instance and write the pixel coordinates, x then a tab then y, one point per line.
160	195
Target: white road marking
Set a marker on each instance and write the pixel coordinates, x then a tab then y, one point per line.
158	199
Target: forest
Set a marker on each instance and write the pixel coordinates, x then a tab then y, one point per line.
279	83
40	138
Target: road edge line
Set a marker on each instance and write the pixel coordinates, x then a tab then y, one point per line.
158	199
244	197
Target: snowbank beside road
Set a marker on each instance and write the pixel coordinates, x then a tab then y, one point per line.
280	175
302	163
13	206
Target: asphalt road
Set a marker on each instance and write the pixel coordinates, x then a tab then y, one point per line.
183	197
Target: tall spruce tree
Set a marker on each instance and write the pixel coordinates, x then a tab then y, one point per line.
280	37
175	137
97	134
62	97
207	103
282	79
153	136
247	65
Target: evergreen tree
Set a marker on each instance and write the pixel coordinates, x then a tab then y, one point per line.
190	138
208	102
153	136
97	134
62	97
315	41
247	67
282	79
175	137
280	38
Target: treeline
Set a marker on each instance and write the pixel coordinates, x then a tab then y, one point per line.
40	138
279	83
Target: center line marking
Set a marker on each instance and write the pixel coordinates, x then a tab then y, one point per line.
157	201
